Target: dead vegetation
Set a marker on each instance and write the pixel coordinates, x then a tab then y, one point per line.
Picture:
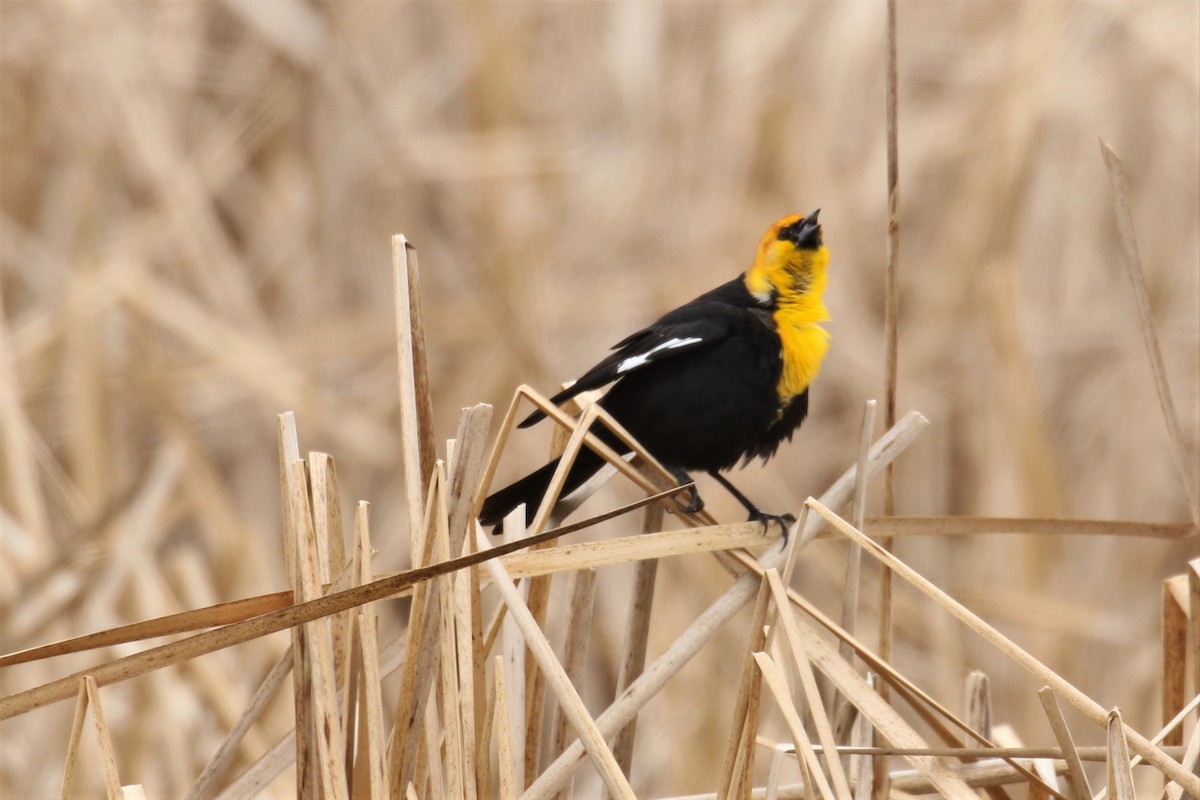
196	204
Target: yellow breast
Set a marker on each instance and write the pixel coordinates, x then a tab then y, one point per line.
805	343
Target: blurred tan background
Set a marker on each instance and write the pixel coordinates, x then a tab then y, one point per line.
197	200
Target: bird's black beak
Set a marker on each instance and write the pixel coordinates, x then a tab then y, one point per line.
808	234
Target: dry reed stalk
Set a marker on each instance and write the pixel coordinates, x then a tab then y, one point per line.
419	668
322	699
534	566
883	452
182	622
987	774
838	708
1193	577
370	773
416	406
292	513
575	650
637	635
1141	297
538	594
327	516
1077	778
205	784
744	767
645	547
260	774
891	338
978	703
236	633
515	652
331	561
465	594
449	701
739	742
1120	777
85	696
972	526
808	681
568	698
661	480
1080	701
808	647
907	784
479	658
430	765
506	769
862	769
997	753
1191	760
778	756
1044	784
704	627
854	554
537	590
931	711
811	766
466	467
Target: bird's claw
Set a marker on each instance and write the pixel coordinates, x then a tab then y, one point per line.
785	521
694	504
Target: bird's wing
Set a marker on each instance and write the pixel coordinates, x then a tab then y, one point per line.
673	335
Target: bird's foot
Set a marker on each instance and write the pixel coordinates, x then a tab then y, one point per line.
785	521
694	504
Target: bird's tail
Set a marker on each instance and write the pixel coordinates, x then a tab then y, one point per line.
530	489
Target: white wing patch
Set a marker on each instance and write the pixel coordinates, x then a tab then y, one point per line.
633	362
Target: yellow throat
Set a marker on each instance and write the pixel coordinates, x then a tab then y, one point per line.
791	281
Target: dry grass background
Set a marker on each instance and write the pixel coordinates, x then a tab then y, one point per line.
197	200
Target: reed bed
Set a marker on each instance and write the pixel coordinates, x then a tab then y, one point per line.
197	203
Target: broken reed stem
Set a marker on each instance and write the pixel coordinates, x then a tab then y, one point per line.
1141	298
516	664
236	633
736	744
808	681
974	526
1089	753
1175	621
850	590
239	610
568	697
370	763
802	746
704	627
1077	778
855	554
416	406
418	669
505	772
808	645
637	634
579	630
1065	689
1120	776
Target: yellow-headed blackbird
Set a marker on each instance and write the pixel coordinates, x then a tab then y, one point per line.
720	379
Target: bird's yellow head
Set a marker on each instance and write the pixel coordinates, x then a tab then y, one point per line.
788	276
791	263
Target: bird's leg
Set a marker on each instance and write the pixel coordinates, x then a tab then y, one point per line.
695	504
785	520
